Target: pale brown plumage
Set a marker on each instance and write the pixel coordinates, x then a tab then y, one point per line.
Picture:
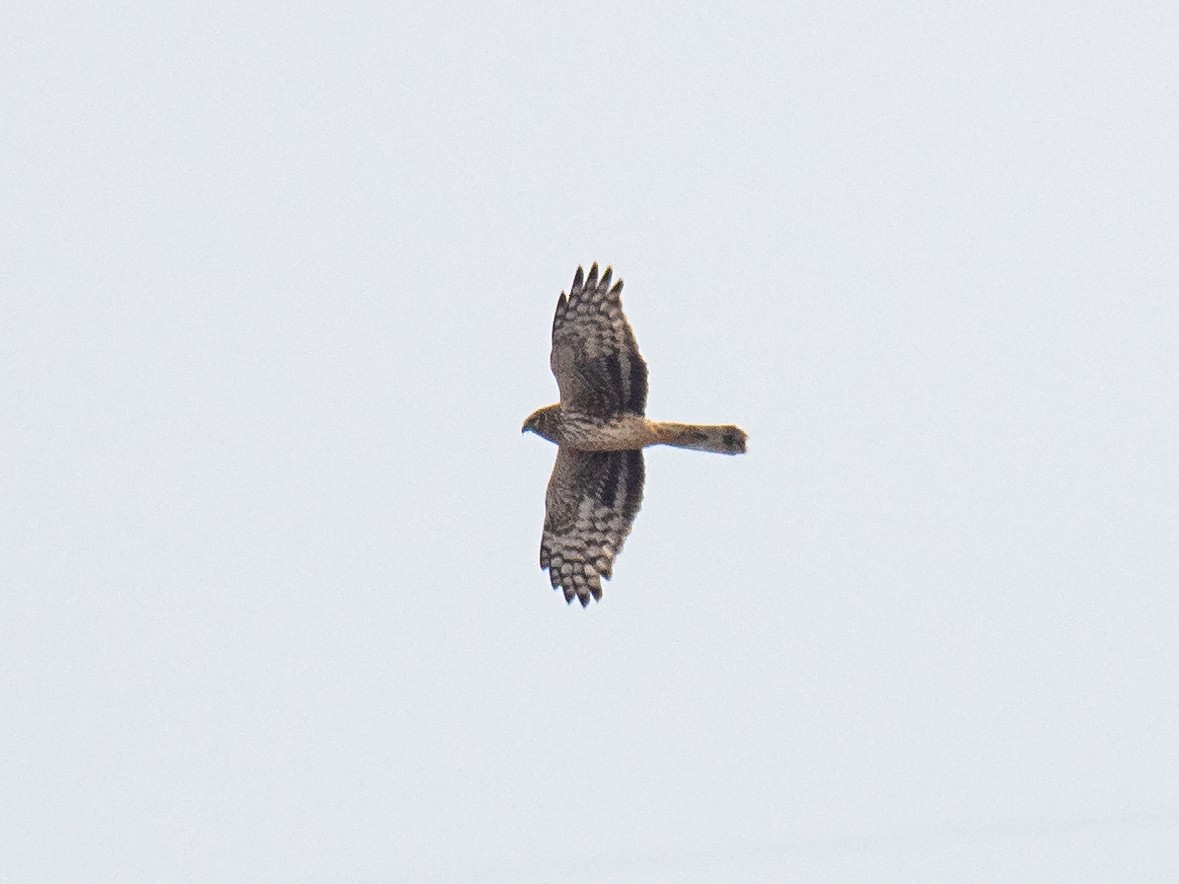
596	488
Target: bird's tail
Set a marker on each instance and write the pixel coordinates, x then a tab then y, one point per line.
726	439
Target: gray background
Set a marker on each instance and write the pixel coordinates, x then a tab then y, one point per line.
277	288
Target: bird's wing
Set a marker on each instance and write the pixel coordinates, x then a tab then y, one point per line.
593	498
595	358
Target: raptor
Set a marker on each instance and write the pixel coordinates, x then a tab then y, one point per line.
600	429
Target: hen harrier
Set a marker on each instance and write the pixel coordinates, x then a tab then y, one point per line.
597	483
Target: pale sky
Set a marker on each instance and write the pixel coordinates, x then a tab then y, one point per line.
277	288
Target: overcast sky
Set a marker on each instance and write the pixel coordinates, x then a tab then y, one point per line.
277	290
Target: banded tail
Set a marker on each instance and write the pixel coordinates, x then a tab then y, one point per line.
723	439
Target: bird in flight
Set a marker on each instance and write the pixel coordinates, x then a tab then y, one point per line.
596	488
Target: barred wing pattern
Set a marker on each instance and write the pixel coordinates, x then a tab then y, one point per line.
593	498
595	358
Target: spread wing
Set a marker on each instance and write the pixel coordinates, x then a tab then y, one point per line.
592	501
595	358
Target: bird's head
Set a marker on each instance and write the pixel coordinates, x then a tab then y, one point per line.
542	422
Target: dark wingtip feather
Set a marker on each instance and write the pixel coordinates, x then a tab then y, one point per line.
559	313
578	279
591	281
605	281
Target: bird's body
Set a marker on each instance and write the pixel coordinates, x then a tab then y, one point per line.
599	425
624	432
